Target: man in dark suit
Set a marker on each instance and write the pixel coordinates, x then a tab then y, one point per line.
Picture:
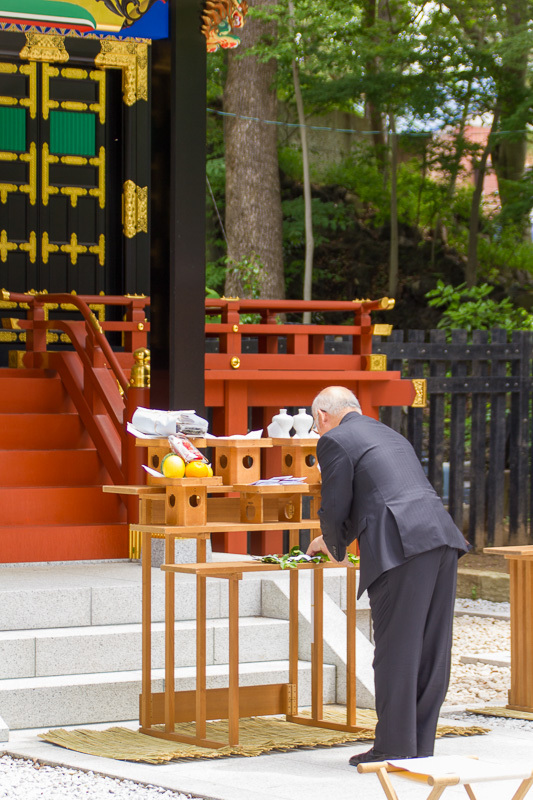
374	490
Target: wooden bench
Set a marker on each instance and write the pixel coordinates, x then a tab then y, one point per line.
439	772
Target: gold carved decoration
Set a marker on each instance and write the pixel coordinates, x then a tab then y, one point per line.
47	159
48	72
6	246
99	161
99	249
6	295
73	248
31	101
134	209
47	248
132	59
420	385
376	362
382	330
30	247
44	47
31	187
8	336
73	192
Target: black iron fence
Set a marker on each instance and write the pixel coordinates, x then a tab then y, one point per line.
475	434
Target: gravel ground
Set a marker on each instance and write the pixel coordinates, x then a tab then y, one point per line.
470	685
26	780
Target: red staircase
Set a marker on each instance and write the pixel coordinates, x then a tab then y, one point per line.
52	507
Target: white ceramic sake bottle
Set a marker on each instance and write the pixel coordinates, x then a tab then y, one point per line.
280	426
302	422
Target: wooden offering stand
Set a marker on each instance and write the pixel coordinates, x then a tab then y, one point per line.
520	560
186	509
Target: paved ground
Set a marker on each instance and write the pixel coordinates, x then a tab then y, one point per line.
316	774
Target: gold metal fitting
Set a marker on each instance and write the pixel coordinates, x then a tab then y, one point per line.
421	393
140	326
235	329
376	362
94	322
235	362
140	372
381	329
387	303
5	294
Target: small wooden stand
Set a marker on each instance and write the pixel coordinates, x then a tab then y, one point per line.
202	704
520	560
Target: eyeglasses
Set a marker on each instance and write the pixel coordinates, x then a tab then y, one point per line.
314	429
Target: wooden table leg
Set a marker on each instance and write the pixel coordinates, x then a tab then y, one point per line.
351	697
146	684
293	643
233	690
170	710
201	622
317	645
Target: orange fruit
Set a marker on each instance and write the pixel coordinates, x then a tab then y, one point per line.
173	466
197	469
210	473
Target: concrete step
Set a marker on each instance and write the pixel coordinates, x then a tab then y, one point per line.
113	697
117	648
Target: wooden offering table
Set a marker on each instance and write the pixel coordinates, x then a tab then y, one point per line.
520	560
233	702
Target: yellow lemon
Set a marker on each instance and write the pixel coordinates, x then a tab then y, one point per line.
173	466
197	469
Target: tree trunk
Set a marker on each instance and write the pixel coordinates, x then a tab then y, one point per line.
473	230
514	99
253	197
308	208
394	257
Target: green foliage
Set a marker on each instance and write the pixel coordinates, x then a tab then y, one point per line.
328	218
473	309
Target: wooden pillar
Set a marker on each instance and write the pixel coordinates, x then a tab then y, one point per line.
178	212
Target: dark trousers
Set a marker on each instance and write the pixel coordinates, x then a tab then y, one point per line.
412	613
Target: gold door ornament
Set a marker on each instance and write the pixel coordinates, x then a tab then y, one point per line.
132	59
134	209
420	385
44	47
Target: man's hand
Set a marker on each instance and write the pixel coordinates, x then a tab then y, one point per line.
318	545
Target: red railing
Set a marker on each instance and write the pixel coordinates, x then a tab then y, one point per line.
237	379
94	375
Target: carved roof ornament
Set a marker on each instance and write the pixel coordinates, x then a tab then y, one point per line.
220	19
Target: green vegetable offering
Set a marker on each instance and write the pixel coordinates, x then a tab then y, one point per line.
295	556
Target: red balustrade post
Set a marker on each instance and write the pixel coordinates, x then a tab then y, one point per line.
35	337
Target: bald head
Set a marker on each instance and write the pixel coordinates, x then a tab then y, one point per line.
331	405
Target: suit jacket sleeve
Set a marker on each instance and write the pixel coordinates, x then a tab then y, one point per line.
337	495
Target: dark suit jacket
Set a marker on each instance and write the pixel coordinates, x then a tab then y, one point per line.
374	490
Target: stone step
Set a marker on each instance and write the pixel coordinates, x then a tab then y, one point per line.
71	596
114	697
493	659
117	648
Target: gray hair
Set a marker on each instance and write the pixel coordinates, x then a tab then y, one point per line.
334	400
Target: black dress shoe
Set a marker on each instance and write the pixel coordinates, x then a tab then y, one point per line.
371	755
